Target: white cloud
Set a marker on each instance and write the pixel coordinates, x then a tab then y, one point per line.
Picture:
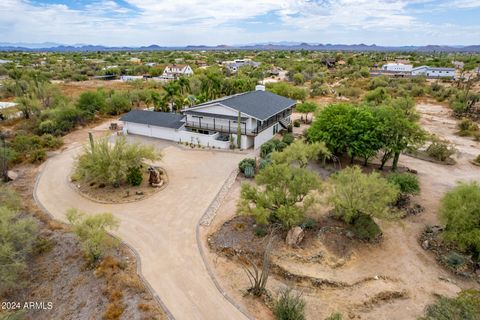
183	22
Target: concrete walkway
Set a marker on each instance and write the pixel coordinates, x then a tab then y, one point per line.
160	228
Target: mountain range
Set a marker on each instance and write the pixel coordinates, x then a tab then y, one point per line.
54	47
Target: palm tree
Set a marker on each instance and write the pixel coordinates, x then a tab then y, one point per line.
172	90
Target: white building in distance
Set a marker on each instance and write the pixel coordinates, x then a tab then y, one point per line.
397	67
175	71
432	72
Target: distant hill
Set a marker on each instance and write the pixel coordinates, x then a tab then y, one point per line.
53	47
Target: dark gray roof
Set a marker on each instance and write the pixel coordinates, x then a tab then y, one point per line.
159	119
258	104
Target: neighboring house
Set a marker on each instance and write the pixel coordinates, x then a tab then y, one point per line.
233	66
151	64
432	72
397	67
4	61
135	60
214	123
175	71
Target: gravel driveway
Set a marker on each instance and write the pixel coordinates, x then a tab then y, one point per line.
160	228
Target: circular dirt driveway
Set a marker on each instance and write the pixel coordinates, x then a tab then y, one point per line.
161	228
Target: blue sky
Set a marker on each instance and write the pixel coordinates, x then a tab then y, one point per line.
182	22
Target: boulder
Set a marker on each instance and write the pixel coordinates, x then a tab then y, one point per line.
425	245
295	236
12	175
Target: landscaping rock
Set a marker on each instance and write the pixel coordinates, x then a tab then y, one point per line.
425	245
12	175
295	236
139	193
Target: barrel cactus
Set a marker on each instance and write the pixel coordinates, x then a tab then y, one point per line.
249	172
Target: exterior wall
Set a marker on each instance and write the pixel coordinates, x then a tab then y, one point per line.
151	131
434	73
263	137
208	140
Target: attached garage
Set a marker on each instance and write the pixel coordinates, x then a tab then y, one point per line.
160	125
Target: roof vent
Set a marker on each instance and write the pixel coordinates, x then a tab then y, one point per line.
259	87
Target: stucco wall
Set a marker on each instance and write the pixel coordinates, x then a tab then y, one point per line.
263	137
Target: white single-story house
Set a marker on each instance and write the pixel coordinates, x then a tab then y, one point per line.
215	123
397	67
233	66
432	72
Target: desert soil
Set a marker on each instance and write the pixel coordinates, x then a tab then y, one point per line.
395	279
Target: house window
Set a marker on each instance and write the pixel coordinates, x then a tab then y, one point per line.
275	128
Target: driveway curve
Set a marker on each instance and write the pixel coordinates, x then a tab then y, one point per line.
160	228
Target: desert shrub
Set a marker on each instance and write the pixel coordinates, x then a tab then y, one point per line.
92	101
466	124
440	150
296	123
376	96
280	145
288	138
466	306
118	103
289	306
354	193
17	237
308	223
350	92
134	176
270	146
365	228
477	159
407	182
300	153
105	163
264	163
249	172
50	141
460	211
91	230
334	316
260	230
37	155
454	260
267	148
245	163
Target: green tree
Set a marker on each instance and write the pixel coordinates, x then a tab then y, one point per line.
354	193
301	153
306	108
284	195
399	128
92	101
28	106
332	125
91	230
460	212
107	163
